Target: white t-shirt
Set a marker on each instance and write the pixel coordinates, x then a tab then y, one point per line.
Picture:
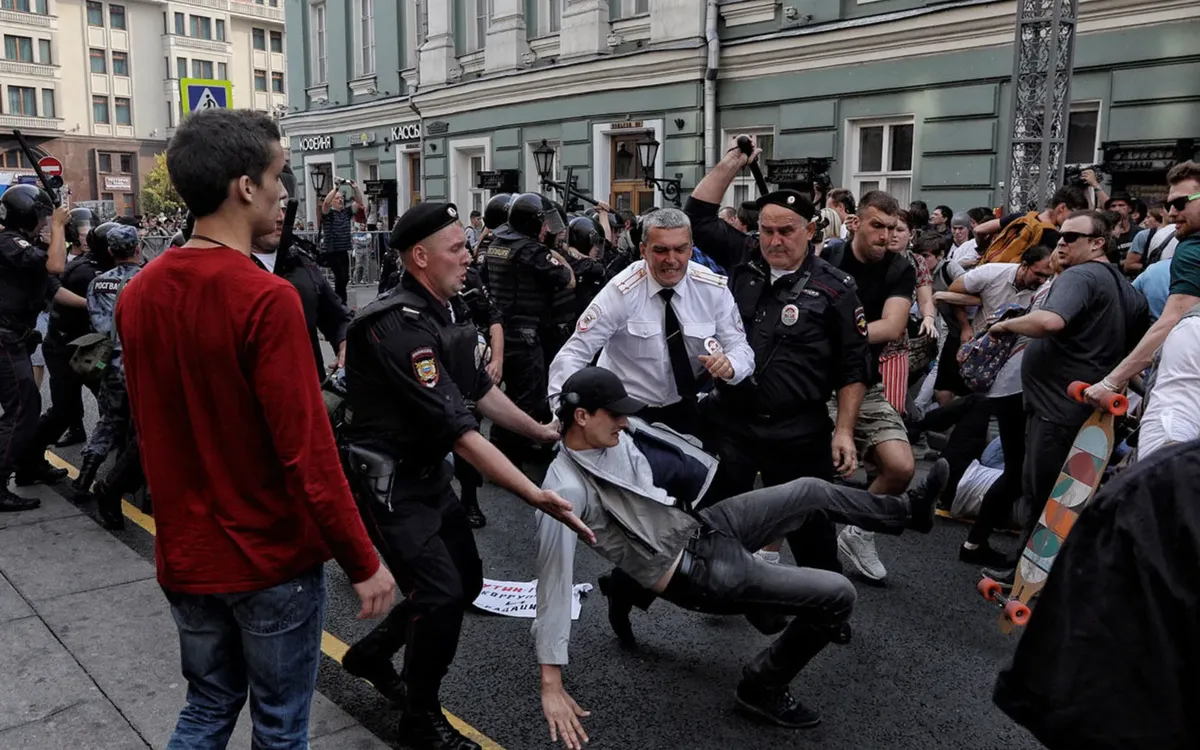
967	252
268	260
994	284
1173	412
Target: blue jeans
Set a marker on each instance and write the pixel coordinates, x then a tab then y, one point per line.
266	642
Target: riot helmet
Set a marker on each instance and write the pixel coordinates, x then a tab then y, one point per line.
584	234
495	212
97	242
23	207
529	213
635	230
79	224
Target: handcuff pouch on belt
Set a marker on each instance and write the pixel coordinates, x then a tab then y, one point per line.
374	473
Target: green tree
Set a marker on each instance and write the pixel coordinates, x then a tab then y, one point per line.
158	194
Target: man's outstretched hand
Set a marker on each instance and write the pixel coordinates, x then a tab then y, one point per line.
556	507
563	715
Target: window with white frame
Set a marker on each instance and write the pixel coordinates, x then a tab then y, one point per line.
881	157
364	62
553	13
478	197
483	17
1083	133
742	188
320	54
416	22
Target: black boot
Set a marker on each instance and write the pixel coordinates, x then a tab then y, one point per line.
73	436
922	501
619	607
87	473
470	501
12	503
108	504
39	473
430	730
764	691
371	658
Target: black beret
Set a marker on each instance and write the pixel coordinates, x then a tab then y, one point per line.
421	221
791	200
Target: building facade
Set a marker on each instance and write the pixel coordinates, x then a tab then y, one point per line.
96	83
907	95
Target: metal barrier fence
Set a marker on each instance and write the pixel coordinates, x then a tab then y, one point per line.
366	255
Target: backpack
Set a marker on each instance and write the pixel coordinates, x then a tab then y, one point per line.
94	351
1014	239
980	359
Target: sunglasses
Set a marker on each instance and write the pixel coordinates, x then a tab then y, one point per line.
1182	201
1071	238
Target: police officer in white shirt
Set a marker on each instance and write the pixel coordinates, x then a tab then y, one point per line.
666	326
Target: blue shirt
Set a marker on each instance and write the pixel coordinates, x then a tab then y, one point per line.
1155	285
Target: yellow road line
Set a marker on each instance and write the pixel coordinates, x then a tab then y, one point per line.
331	645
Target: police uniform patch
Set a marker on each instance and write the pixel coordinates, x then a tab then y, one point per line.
589	317
810	292
712	346
499	252
790	315
425	366
554	261
21	243
860	320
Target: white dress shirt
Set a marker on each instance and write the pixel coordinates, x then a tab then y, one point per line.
627	320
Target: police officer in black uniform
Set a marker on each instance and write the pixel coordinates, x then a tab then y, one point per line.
495	214
809	335
413	369
69	320
524	274
489	324
27	283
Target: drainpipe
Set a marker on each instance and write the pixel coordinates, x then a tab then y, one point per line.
711	148
421	139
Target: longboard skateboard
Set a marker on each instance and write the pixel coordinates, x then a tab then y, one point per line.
1076	485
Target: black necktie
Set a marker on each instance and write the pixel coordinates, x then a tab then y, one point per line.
681	363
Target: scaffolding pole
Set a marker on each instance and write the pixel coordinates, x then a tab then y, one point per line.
1043	58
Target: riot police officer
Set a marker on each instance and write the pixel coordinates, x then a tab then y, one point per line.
523	275
79	223
412	370
26	286
68	321
495	214
585	253
113	399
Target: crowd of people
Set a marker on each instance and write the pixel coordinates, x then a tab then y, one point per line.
684	390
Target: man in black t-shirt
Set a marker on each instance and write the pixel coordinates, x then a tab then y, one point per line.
1089	321
885	282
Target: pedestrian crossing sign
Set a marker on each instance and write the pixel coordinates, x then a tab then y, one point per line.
202	93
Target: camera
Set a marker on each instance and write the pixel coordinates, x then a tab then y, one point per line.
343	181
1073	174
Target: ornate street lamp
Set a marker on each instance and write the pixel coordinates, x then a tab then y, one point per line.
648	153
318	178
543	159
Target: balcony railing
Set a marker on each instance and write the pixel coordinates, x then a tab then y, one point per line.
27	19
206	45
16	67
25	122
245	8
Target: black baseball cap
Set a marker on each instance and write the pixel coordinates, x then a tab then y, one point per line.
595	388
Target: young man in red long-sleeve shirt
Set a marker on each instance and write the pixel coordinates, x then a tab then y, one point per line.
249	496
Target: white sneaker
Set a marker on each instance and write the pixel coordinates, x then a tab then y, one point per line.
768	556
859	548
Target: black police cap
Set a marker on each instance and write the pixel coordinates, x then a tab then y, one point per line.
421	221
791	200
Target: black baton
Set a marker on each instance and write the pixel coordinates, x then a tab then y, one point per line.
747	148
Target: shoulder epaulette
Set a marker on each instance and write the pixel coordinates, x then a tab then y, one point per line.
705	276
633	277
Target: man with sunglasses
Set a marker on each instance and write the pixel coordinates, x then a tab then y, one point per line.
1183	210
1088	321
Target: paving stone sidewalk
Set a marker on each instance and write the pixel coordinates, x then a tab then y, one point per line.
88	650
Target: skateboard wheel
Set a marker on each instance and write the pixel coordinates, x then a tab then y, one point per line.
1017	613
1117	405
988	589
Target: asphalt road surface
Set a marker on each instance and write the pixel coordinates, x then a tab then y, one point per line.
918	674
